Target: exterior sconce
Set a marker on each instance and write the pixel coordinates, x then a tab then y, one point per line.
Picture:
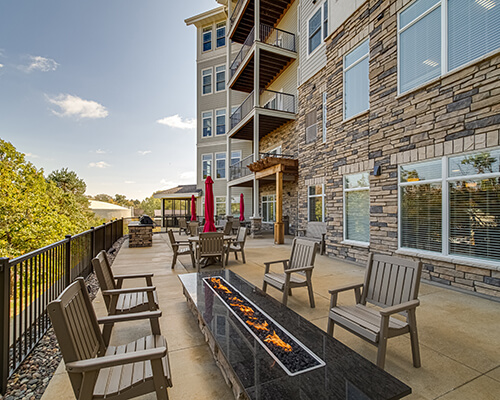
377	171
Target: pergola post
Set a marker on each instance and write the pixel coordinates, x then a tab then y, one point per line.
279	228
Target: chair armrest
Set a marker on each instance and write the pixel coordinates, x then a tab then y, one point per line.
303	231
129	290
302	269
111	319
133	276
117	359
268	264
346	288
407	305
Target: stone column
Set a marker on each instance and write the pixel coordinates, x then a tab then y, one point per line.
255	227
279	228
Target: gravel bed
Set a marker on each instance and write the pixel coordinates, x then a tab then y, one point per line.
33	376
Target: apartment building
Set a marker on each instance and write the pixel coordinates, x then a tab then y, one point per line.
378	119
212	110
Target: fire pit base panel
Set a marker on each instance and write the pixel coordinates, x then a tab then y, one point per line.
253	373
140	235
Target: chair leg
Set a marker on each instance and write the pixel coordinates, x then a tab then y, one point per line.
415	349
236	255
193	261
243	256
159	380
382	342
285	295
330	326
311	293
264	286
174	260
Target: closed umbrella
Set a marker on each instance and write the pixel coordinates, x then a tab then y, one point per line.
193	208
209	206
242	208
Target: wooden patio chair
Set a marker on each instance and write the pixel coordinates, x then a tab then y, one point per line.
297	270
193	228
180	248
392	284
99	371
183	226
120	300
238	245
228	228
211	244
236	225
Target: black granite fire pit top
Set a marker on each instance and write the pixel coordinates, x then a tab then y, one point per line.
346	375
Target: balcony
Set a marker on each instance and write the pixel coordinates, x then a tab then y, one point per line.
239	171
278	108
277	52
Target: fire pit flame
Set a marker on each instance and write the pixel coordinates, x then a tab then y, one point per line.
259	327
276	340
220	285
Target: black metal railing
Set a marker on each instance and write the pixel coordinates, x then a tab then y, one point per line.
278	101
239	169
30	282
277	37
236	11
243	110
245	48
276	155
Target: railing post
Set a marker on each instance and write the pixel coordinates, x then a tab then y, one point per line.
67	266
5	321
104	237
92	247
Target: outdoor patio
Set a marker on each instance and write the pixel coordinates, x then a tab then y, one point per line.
458	332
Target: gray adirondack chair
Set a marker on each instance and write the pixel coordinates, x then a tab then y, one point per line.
211	244
238	245
193	228
183	226
392	284
297	270
228	228
180	248
120	300
99	371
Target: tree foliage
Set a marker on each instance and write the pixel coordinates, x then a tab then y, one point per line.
149	205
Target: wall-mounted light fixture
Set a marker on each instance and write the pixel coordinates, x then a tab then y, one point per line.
377	171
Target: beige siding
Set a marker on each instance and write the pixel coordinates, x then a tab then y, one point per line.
339	11
289	21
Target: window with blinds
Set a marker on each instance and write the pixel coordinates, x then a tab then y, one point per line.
357	207
311	126
471	31
316	203
356	80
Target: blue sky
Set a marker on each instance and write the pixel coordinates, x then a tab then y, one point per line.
95	86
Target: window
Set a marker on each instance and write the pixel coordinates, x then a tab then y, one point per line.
451	206
206	81
221	34
325	20
275	151
220	78
235	206
207	123
357	207
316	203
357	81
207	38
428	49
311	127
206	165
268	208
220	122
318	27
220	165
235	157
324	116
220	205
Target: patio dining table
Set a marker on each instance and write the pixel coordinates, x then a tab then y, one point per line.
210	260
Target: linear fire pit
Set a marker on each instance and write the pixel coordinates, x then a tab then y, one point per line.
256	368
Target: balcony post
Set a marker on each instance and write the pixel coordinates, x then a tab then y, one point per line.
228	110
67	262
256	158
257	20
5	321
279	229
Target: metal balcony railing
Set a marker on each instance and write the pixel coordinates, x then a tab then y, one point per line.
243	110
239	169
278	101
245	48
236	11
276	155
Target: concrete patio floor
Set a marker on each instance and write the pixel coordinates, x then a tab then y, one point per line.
459	333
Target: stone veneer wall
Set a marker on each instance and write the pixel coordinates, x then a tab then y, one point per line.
456	113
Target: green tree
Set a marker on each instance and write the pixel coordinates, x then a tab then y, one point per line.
149	204
68	181
104	197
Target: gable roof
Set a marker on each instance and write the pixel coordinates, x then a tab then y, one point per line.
181	191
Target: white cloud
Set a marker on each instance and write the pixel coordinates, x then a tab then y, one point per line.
100	164
185	178
176	121
144	152
74	106
188	176
100	151
38	63
129	182
31	155
1	65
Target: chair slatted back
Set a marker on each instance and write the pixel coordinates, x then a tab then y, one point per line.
103	271
211	243
236	223
171	237
193	228
303	253
391	280
242	235
76	327
228	228
182	223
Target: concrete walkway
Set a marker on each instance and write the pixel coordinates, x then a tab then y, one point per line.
459	333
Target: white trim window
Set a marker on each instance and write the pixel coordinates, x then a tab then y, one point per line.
220	165
206	121
206	77
438	36
317	27
269	208
451	206
357	207
325	111
235	157
220	122
357	80
325	20
206	161
220	33
220	78
207	38
220	205
235	206
316	203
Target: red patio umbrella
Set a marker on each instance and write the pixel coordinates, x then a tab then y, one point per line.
242	208
193	208
209	206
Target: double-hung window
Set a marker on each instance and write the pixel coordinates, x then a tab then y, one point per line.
220	165
206	160
235	206
317	27
206	75
316	203
451	206
357	207
207	123
235	157
220	122
357	81
437	36
269	208
220	78
207	38
221	34
325	20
